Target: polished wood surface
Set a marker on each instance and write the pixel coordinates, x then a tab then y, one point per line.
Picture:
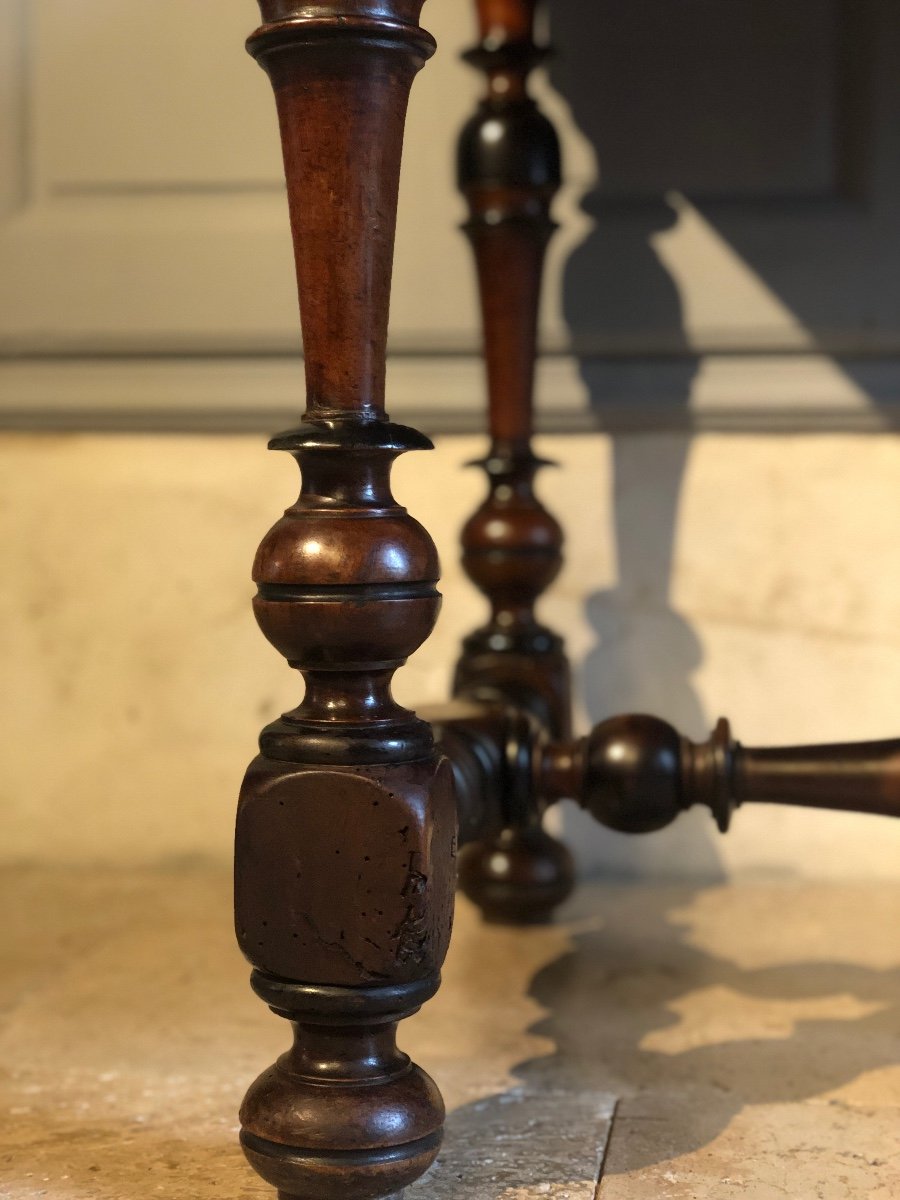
637	773
509	170
346	829
862	777
342	73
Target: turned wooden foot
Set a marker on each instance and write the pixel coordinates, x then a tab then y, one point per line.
343	1115
517	878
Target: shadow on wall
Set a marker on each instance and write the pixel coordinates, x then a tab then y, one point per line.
645	653
778	123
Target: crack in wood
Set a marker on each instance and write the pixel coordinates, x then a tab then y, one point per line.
341	949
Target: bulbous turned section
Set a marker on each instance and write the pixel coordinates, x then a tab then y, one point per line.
508	159
343	1115
518	877
512	551
346	592
632	774
636	773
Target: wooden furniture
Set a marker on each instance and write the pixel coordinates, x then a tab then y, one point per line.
346	851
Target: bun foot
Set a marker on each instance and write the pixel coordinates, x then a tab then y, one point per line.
518	878
344	1115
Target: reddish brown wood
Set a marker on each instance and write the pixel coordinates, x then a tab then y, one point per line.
505	20
636	774
346	830
342	72
509	171
862	777
512	547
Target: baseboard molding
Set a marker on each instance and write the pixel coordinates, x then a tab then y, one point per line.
752	393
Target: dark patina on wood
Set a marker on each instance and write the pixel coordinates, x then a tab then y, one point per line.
509	170
346	829
636	773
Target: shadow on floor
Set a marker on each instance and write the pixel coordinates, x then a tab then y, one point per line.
613	1004
618	990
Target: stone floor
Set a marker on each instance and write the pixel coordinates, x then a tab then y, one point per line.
750	1036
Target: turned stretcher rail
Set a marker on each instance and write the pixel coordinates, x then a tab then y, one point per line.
861	778
637	773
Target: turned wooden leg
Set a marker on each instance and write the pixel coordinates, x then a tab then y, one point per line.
346	828
509	171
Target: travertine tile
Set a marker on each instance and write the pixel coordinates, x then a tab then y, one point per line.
522	1144
751	1034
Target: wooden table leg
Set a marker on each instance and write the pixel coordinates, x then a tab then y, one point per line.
509	171
346	828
